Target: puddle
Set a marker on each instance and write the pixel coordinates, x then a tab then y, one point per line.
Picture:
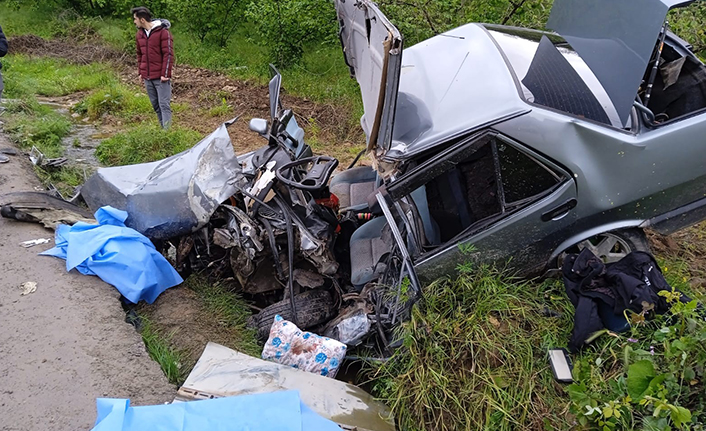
81	142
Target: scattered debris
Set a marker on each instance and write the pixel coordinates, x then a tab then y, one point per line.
288	345
223	372
278	411
42	208
4	159
38	159
8	151
28	287
33	242
120	256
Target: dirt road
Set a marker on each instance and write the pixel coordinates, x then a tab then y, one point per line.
66	344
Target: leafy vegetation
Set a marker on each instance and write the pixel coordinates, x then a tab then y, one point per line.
145	143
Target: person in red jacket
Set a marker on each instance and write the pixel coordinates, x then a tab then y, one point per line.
155	59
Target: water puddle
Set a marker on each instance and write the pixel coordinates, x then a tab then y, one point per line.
81	142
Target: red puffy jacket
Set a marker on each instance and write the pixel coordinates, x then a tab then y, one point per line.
155	53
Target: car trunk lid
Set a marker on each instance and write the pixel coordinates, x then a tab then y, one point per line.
372	48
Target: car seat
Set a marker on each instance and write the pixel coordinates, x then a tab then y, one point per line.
368	244
353	186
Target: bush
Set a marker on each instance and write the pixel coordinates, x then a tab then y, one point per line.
285	26
145	143
655	374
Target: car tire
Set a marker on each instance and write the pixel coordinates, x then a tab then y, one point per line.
313	307
610	246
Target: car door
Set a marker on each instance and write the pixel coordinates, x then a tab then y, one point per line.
493	201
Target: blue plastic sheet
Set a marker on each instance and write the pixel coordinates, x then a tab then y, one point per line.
276	411
117	254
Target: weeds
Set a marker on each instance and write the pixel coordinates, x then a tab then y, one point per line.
145	143
221	110
474	356
51	77
160	350
656	374
44	132
65	179
115	99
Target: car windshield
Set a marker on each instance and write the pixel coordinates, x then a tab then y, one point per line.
536	60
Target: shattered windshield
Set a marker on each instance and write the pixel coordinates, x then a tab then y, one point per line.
552	74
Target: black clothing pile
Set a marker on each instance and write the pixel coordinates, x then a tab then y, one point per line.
602	292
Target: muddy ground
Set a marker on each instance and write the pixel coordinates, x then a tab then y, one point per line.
67	343
202	89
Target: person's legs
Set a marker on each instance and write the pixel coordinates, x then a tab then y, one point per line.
164	90
151	86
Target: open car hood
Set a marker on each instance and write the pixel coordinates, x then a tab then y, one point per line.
372	47
615	39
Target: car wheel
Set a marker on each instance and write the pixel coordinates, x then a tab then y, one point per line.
313	307
611	246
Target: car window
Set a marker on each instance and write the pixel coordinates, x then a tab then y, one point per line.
473	184
465	195
522	176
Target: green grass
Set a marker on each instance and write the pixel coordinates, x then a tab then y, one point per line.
65	179
51	77
115	99
474	356
145	142
160	349
44	131
229	310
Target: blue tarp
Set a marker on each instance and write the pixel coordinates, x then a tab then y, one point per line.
276	411
117	254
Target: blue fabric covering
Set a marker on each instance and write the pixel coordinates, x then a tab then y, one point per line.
119	255
276	411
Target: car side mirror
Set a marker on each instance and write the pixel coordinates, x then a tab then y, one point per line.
258	125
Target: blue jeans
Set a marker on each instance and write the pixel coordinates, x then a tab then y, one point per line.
160	94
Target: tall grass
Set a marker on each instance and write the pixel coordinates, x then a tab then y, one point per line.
474	356
145	142
159	347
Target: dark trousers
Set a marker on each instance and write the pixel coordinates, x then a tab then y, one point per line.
160	94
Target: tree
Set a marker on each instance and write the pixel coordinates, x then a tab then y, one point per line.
285	26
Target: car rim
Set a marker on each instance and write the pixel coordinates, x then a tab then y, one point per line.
607	246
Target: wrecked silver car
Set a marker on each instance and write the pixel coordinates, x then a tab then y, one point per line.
489	144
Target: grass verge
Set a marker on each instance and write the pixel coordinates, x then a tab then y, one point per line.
145	143
474	356
160	348
51	77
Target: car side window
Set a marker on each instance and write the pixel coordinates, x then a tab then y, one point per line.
522	176
474	187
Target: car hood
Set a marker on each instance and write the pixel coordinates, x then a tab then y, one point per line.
615	39
372	47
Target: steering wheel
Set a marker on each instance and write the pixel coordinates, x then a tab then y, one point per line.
316	177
